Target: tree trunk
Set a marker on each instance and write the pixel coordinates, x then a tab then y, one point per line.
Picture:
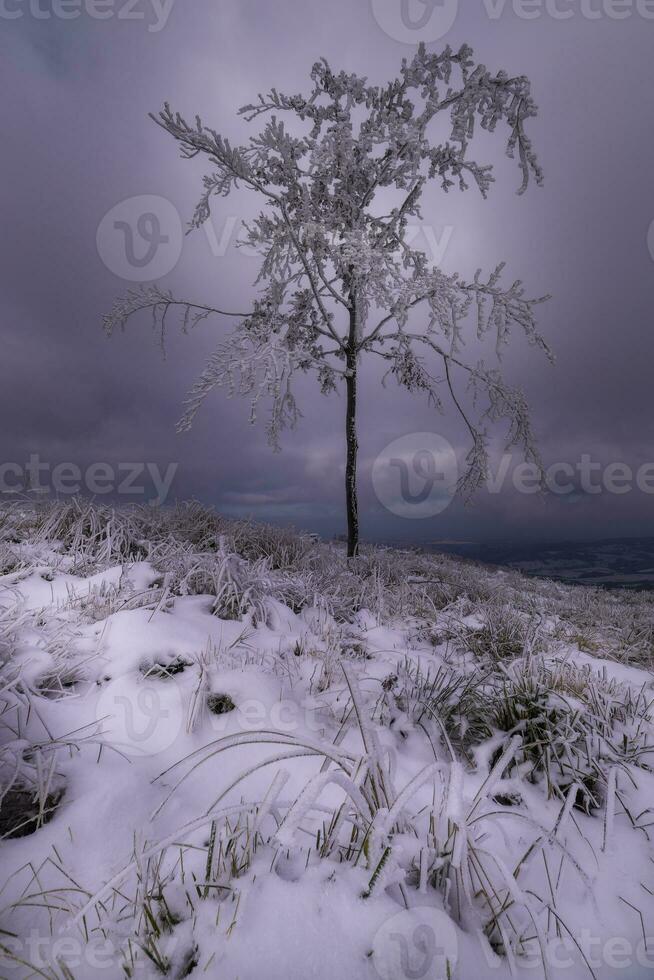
352	444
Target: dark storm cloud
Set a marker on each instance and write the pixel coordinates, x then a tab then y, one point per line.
77	141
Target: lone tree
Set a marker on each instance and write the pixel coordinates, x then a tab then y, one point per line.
338	278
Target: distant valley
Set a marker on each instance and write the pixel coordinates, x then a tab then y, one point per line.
626	563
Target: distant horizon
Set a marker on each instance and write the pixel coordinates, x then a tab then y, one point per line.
335	533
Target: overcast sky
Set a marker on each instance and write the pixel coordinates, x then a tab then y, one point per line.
77	143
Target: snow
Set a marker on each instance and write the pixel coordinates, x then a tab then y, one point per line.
147	769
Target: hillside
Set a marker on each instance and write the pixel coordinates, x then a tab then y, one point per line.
228	752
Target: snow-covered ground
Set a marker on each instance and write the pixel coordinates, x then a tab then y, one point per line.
226	752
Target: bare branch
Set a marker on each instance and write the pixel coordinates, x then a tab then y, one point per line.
159	301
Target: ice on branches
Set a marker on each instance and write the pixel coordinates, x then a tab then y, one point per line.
339	276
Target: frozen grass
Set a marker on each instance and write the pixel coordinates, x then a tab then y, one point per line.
422	730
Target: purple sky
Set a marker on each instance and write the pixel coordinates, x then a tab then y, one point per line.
76	141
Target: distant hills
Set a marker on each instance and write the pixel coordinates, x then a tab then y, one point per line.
626	563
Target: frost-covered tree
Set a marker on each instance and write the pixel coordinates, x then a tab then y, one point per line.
338	279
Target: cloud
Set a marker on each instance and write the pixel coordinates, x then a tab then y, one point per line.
78	141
